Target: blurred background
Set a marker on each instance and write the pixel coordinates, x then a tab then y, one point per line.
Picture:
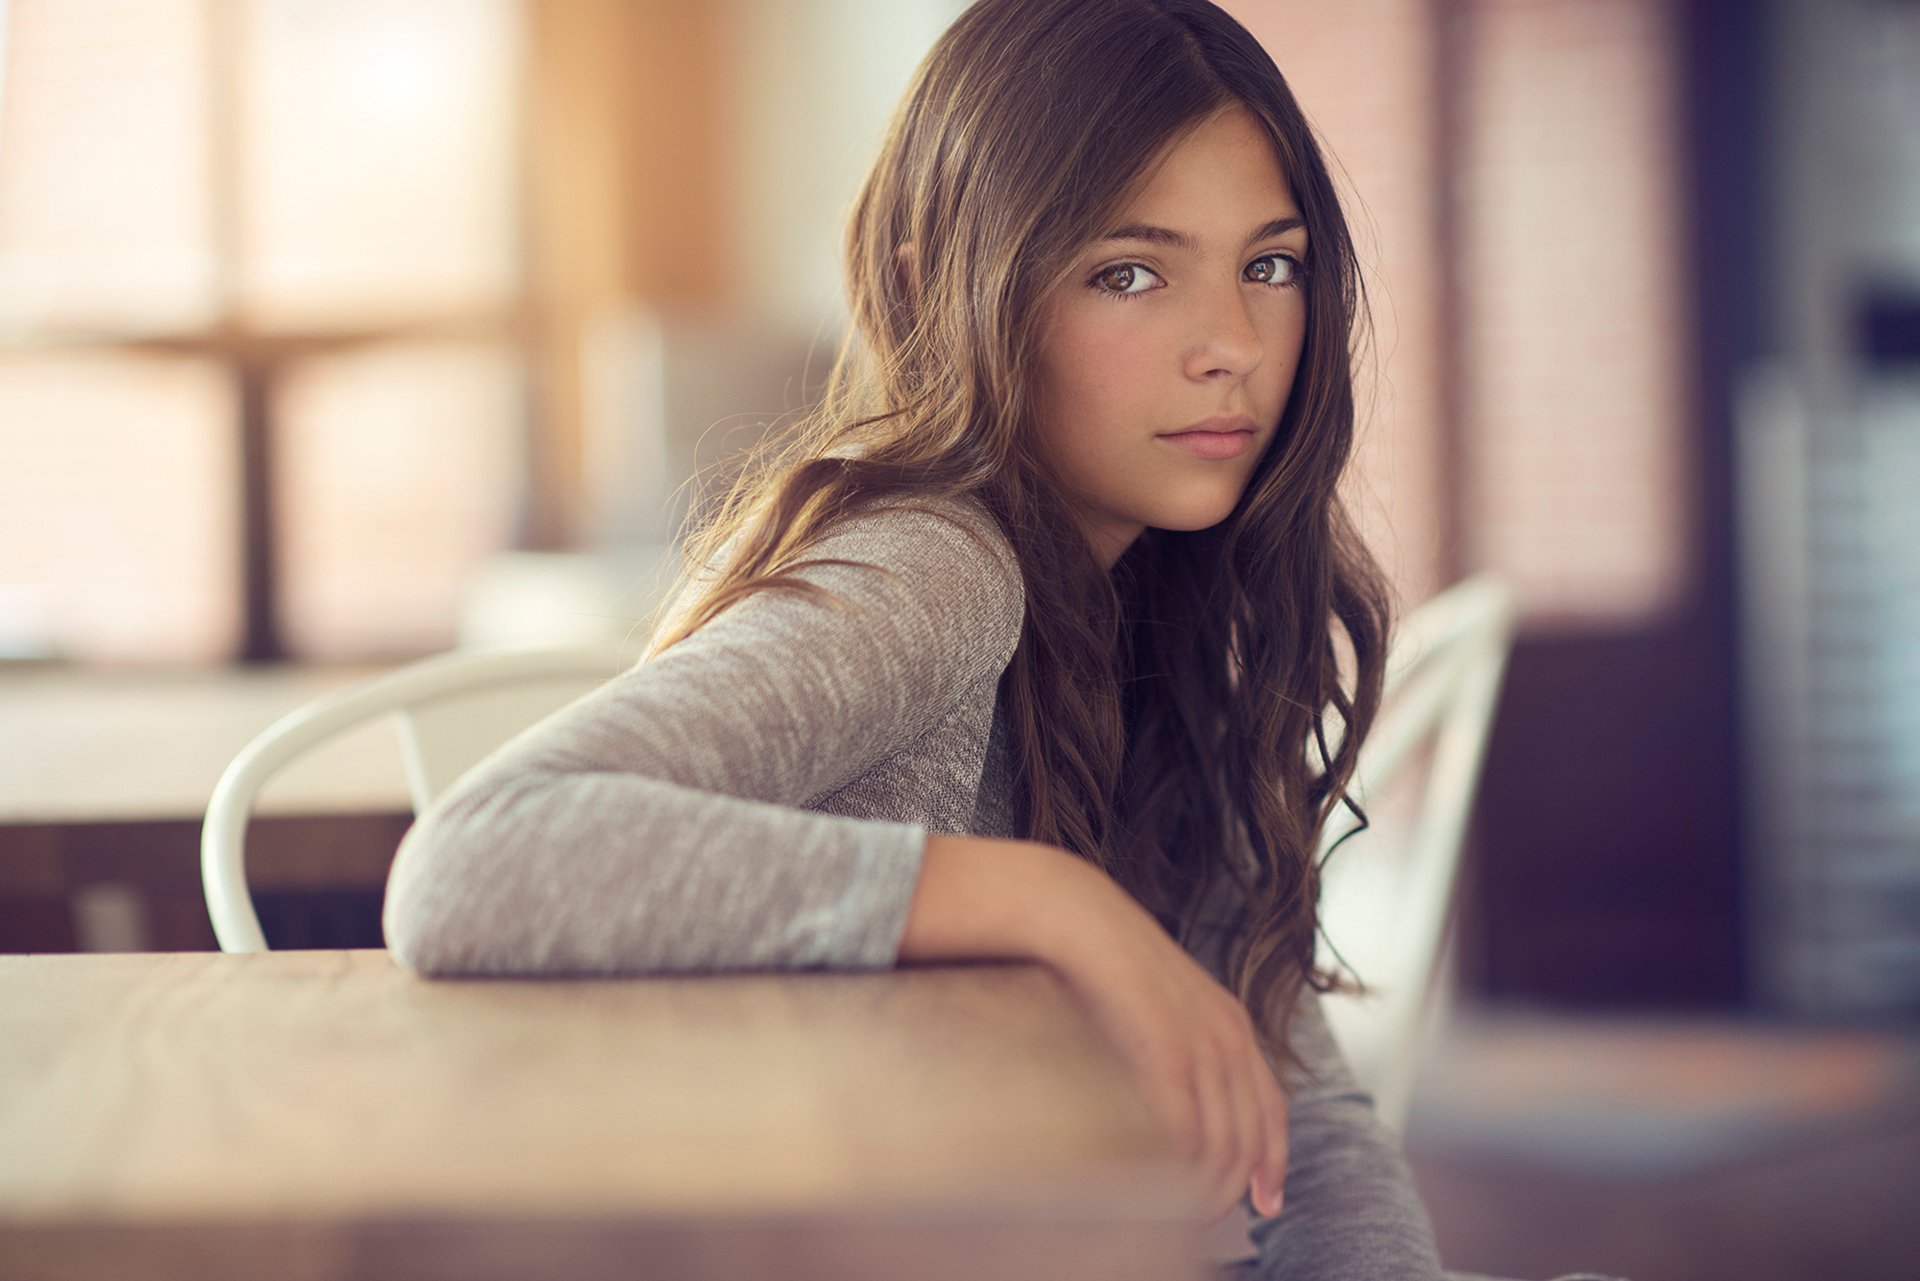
335	333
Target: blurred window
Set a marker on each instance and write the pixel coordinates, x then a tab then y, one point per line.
118	522
378	143
1577	461
318	199
379	557
106	216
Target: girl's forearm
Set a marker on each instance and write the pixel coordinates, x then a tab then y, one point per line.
982	896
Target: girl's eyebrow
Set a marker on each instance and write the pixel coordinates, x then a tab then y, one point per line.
1182	241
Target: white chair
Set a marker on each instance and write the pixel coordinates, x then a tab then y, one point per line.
1387	896
450	711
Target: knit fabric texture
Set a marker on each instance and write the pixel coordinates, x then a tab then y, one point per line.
759	795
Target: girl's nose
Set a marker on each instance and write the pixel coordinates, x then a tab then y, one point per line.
1230	343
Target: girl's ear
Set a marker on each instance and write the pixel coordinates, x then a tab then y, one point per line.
906	270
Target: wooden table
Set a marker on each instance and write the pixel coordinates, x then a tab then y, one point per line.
326	1114
104	778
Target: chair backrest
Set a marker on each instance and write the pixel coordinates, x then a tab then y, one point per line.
1386	906
450	710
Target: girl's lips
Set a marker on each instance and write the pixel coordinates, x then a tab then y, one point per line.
1212	444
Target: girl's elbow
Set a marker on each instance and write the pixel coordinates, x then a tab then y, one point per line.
414	939
418	930
411	940
446	876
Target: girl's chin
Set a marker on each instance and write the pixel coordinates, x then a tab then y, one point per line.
1192	516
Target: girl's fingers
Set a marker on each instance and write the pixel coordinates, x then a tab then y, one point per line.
1192	1126
1250	1132
1178	1110
1212	1097
1239	1116
1273	1126
1168	1087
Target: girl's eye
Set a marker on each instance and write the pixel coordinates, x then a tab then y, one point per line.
1117	281
1127	271
1293	269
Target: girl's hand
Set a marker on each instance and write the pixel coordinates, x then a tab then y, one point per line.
1187	1041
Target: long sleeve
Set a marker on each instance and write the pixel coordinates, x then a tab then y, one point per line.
1351	1210
658	822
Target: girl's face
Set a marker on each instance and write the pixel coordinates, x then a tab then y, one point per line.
1193	309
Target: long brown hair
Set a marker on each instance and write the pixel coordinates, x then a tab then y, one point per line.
1167	718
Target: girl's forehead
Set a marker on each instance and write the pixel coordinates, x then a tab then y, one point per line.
1229	148
1220	175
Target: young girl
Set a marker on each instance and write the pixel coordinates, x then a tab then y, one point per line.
1023	643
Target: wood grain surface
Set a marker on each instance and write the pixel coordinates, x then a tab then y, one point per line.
329	1114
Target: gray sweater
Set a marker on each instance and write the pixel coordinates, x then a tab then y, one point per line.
758	796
